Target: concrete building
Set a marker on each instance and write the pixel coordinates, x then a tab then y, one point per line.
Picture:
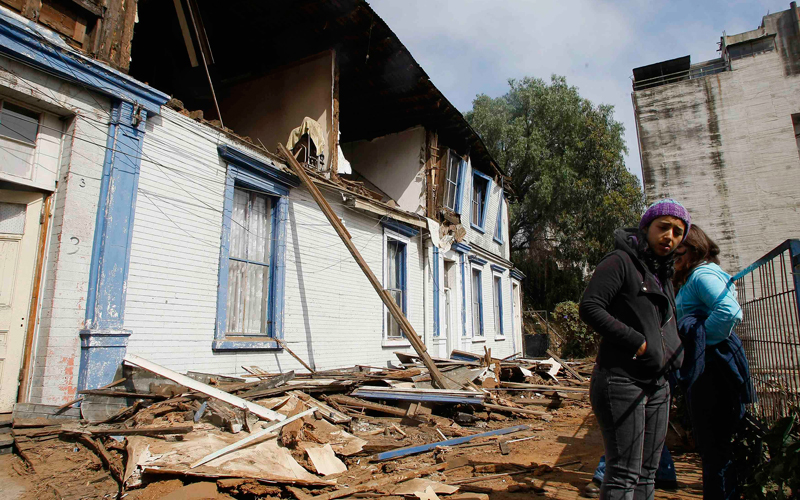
130	224
722	136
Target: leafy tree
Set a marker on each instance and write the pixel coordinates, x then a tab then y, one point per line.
565	158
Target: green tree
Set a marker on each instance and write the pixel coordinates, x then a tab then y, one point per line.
565	158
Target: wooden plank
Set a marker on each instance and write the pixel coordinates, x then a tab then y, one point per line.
220	474
251	438
367	405
328	413
37	410
572	372
295	356
387	299
187	37
523	411
183	380
412	450
141	431
542	387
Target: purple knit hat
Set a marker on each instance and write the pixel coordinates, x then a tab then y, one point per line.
667	206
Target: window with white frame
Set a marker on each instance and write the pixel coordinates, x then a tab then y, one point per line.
477	303
18	130
396	259
497	283
498	228
248	311
452	183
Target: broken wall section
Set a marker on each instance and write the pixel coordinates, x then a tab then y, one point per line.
269	107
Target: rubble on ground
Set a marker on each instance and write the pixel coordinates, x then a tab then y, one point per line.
320	435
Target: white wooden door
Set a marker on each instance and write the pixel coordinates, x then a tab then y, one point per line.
19	235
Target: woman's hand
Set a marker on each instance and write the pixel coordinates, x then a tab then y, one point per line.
642	349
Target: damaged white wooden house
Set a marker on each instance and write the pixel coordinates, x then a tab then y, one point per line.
131	225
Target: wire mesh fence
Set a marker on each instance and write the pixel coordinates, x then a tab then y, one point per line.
770	328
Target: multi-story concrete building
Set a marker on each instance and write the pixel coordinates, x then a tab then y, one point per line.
723	137
129	224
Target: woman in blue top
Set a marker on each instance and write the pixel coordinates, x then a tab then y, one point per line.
706	300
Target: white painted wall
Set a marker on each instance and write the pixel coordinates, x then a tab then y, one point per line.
79	162
395	164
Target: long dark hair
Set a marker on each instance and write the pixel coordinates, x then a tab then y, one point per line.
700	249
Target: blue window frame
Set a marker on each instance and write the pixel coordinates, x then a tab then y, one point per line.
396	283
498	228
252	256
477	302
497	282
481	185
454	180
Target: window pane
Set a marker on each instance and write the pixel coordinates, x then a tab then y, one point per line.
258	238
497	299
476	304
19	123
236	302
16	158
257	296
238	224
393	328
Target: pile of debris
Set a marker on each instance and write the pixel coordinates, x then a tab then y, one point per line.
317	435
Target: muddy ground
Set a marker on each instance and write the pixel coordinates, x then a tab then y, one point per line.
66	470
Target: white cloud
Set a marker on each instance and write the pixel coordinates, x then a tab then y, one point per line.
469	47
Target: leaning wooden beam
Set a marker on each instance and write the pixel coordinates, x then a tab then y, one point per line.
330	414
295	356
566	366
522	411
185	381
387	299
412	450
252	437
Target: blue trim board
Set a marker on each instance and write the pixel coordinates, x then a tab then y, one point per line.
498	228
413	450
497	268
461	247
462	174
246	171
36	46
516	274
477	260
260	168
111	248
482	225
463	294
436	326
400	228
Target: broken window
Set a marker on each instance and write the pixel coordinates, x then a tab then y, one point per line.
497	283
477	303
452	183
498	227
18	130
480	196
249	264
796	125
751	47
395	283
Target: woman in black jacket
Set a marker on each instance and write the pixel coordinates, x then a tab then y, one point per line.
630	303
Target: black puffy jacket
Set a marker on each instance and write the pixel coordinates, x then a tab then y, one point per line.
625	305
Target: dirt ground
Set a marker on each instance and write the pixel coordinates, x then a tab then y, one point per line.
68	470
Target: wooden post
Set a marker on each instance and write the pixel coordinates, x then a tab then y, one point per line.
394	309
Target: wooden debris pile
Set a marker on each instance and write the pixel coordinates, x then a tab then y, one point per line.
318	435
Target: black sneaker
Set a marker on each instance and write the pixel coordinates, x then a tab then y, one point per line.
591	490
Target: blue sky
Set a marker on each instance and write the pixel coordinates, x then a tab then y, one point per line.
469	47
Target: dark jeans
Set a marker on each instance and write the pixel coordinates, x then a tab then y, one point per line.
715	407
633	419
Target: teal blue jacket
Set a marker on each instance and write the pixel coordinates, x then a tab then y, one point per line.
710	292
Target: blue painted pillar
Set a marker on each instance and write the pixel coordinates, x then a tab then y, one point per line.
104	340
